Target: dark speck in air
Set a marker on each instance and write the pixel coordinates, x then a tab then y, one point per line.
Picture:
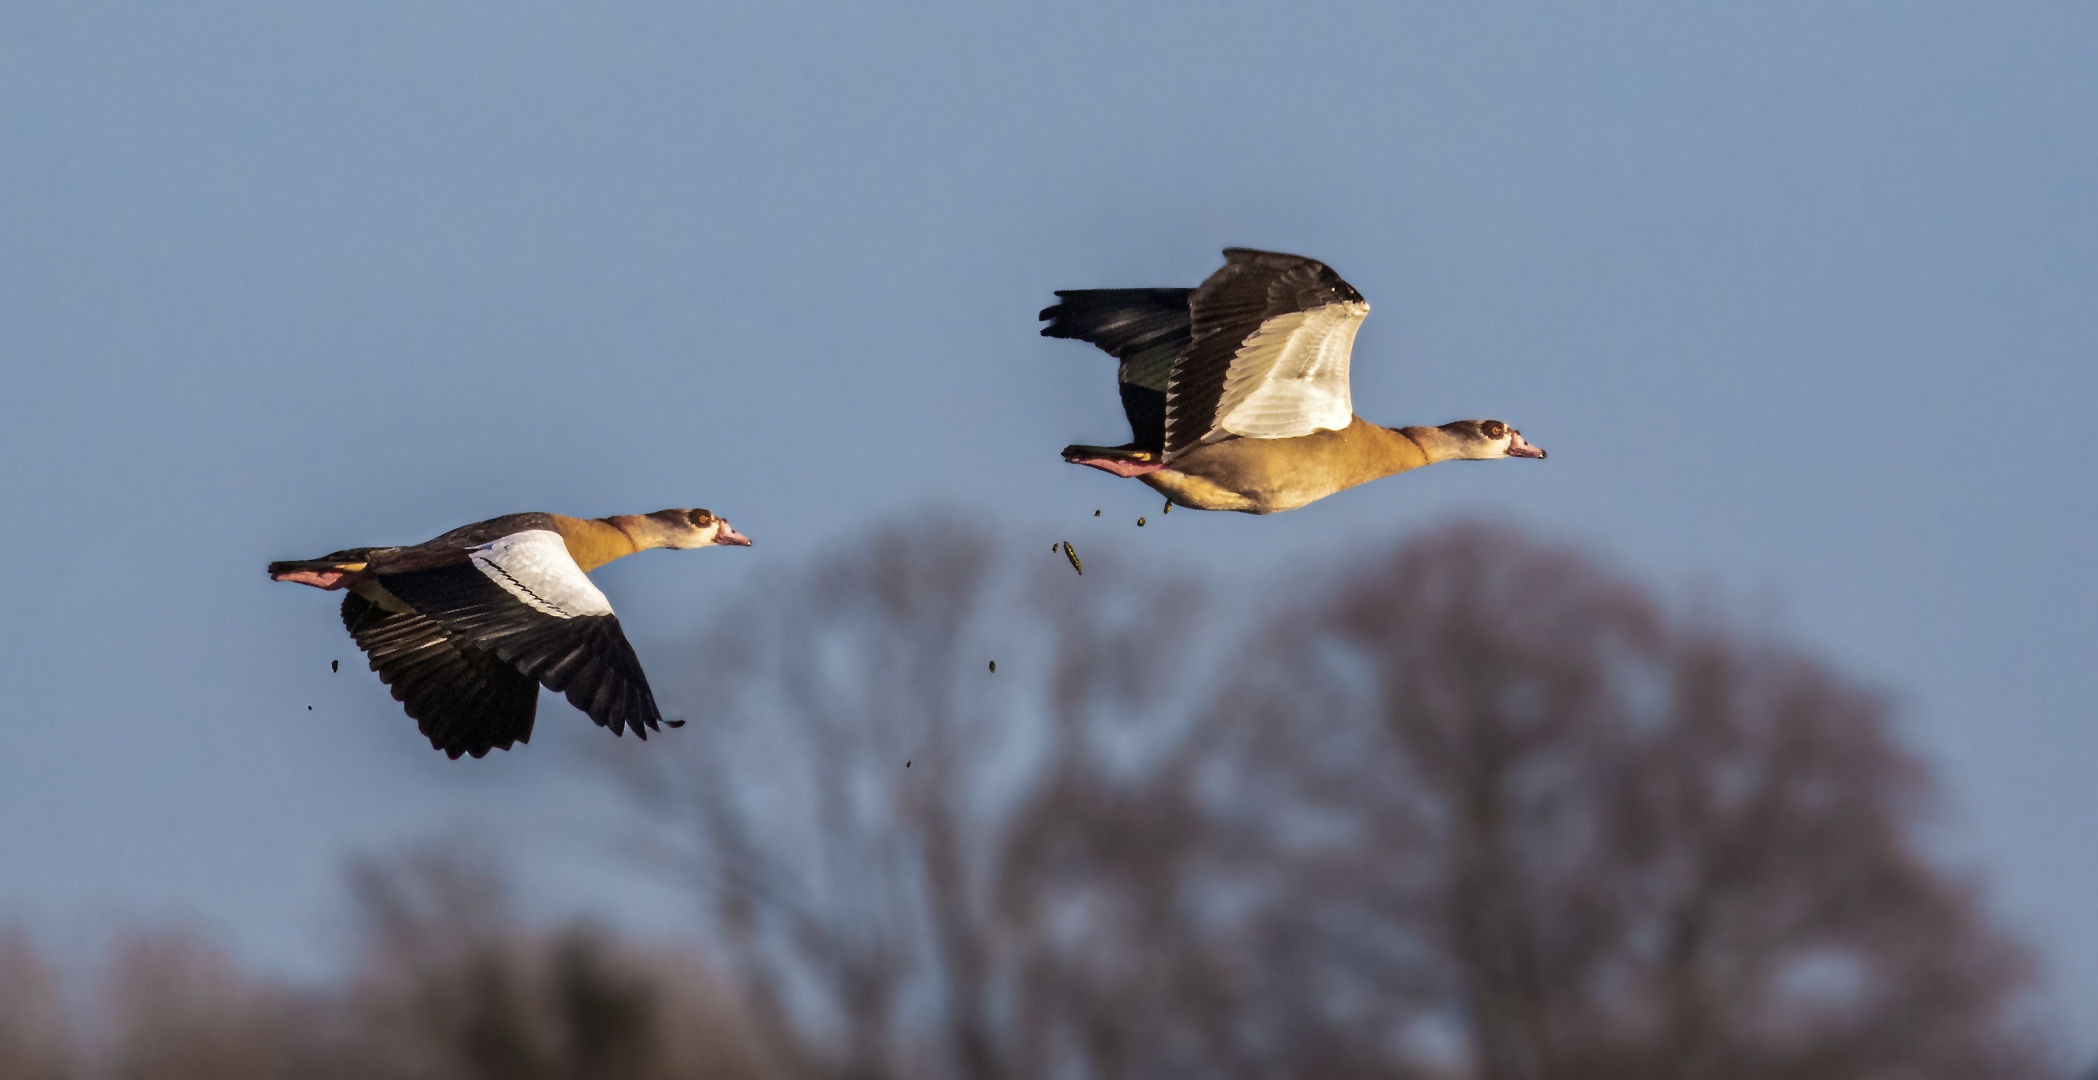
309	708
1140	523
906	764
1096	513
674	723
334	665
1071	553
1168	509
994	667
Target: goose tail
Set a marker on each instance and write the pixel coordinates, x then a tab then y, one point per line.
337	571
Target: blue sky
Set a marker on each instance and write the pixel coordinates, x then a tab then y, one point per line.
1799	297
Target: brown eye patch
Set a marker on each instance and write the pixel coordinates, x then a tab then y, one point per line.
1495	429
700	518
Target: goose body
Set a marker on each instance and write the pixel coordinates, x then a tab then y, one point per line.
1237	391
468	626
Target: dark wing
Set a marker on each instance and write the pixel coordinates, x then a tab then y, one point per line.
523	599
1269	357
465	700
1146	329
481	532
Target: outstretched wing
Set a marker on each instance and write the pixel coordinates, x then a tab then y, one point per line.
466	701
1272	334
1146	329
523	599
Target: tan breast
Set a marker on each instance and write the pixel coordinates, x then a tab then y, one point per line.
593	542
1266	476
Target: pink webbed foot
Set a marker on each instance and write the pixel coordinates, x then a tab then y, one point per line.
321	579
1111	463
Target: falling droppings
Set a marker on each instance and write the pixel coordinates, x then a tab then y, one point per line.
1096	513
309	708
1071	553
1168	509
674	723
994	667
334	665
1140	523
906	764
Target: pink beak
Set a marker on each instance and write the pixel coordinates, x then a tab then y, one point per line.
728	534
1520	447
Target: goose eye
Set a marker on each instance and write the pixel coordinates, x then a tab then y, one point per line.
1496	429
700	518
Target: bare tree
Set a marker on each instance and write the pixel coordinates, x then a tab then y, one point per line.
1558	834
874	817
1468	808
1476	808
452	984
35	1039
180	1008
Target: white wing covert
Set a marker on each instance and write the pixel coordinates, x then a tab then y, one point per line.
1270	338
535	566
522	599
1290	377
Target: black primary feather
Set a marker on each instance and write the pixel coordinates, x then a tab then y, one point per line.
1120	321
465	700
586	657
1251	288
1147	329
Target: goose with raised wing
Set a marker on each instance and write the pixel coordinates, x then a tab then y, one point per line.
466	628
1236	391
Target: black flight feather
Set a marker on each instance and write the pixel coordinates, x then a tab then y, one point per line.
572	656
1249	289
1147	329
465	700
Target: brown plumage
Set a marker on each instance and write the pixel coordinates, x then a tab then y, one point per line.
1237	391
465	628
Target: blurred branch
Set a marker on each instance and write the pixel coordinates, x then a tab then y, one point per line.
1468	808
1478	809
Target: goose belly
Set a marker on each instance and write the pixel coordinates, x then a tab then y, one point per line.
1197	493
1237	475
1267	476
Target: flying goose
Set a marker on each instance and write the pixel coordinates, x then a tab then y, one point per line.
1237	391
466	627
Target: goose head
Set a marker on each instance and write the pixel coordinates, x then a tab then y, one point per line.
1482	440
695	529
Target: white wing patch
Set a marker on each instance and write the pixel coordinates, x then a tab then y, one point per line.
1290	377
535	566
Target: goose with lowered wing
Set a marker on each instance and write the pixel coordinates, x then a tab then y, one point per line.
468	626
